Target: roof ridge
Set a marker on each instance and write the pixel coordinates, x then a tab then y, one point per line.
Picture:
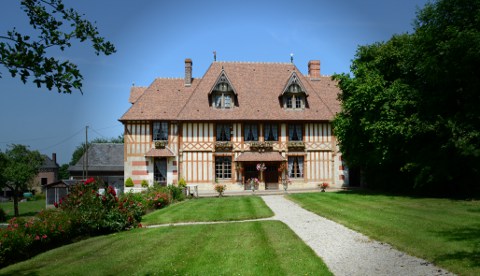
255	62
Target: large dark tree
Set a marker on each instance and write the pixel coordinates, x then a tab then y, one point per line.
411	116
55	27
19	166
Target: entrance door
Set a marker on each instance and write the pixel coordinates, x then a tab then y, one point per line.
160	171
271	176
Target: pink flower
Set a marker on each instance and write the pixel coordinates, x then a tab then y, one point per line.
37	238
44	236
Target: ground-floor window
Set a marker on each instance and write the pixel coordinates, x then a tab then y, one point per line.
295	166
160	170
223	167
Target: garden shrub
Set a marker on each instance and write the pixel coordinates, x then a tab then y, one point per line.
97	214
157	199
182	183
176	193
129	182
144	183
24	238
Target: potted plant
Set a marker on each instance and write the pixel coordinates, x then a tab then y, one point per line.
323	186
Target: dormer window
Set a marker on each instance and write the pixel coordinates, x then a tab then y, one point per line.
294	96
222	100
223	95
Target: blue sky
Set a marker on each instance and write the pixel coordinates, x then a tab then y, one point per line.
153	38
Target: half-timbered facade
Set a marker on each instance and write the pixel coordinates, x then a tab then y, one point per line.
239	121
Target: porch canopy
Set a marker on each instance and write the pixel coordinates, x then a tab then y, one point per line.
260	157
159	153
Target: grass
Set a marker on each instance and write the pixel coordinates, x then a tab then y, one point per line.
443	231
26	209
247	248
211	209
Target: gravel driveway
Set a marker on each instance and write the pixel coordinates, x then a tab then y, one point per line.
345	251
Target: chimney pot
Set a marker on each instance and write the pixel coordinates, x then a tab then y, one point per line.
314	69
188	72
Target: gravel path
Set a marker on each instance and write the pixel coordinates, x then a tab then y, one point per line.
345	251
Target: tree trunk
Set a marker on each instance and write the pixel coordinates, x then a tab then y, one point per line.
15	203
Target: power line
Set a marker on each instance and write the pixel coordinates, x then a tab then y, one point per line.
64	140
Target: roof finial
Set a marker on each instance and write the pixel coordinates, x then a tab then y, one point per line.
214	55
291	57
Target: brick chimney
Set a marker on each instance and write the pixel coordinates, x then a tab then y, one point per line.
314	69
54	158
188	72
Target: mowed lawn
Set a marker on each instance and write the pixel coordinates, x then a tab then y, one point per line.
26	209
235	248
211	209
443	231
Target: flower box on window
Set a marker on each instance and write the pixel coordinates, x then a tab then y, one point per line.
223	146
296	145
261	146
160	144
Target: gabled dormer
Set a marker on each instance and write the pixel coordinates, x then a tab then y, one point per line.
223	95
294	95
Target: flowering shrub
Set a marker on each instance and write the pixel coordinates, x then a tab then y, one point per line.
323	186
25	238
157	200
220	189
93	213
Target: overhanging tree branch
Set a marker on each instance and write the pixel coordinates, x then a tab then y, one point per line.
27	58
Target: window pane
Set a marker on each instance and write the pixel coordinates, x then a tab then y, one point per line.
218	101
271	132
223	132
223	167
295	167
298	102
289	101
228	101
251	132
160	131
295	132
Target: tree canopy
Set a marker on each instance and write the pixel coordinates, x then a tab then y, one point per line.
410	119
19	166
56	26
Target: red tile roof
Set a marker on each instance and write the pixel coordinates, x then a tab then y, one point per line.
159	153
135	93
258	86
259	157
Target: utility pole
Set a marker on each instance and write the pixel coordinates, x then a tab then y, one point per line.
85	155
86	151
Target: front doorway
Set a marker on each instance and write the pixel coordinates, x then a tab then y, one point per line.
270	175
160	171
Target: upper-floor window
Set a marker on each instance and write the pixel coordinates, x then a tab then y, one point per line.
160	131
222	94
251	132
271	132
223	132
223	100
294	95
295	132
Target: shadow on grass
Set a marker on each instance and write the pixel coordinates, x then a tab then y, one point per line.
469	235
369	192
